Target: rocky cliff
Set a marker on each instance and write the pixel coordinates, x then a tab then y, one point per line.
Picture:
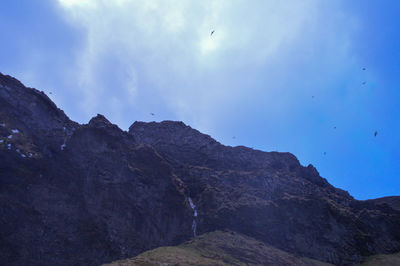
73	194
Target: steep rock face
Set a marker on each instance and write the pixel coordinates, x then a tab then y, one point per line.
392	202
183	144
79	194
74	194
271	197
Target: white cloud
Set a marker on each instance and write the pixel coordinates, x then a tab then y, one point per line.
166	51
76	3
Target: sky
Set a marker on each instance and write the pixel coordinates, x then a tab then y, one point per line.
275	76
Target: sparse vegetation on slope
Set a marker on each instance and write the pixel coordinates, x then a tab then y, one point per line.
218	248
383	260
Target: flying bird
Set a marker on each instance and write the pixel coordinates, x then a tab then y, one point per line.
376	133
312	96
325	153
152	114
364	68
334	127
364	83
212	32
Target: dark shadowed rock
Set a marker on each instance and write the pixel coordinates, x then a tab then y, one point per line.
393	202
74	194
271	197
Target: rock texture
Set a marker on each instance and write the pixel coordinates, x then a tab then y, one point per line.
74	194
79	194
392	202
271	197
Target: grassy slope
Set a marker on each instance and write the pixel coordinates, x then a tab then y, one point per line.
383	260
229	248
218	248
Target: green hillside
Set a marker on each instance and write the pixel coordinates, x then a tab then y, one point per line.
383	260
218	248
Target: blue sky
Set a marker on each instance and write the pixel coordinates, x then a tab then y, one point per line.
275	75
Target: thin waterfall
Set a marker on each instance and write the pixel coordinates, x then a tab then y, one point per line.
194	224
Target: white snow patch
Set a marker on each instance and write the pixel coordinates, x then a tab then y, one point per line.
9	146
1	141
14	130
30	155
2	125
63	145
19	152
10	137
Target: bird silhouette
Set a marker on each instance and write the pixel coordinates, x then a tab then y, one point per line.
212	32
152	113
376	133
364	68
364	83
334	127
325	153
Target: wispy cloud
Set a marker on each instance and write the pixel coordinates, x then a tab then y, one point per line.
165	49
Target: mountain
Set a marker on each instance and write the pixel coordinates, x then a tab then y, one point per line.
88	194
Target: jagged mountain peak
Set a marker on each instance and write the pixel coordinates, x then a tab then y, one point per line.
177	140
99	121
30	106
10	82
172	132
173	125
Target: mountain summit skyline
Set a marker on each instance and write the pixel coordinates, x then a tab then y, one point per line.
314	79
87	194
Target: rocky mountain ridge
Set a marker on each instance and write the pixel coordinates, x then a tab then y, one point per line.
93	193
